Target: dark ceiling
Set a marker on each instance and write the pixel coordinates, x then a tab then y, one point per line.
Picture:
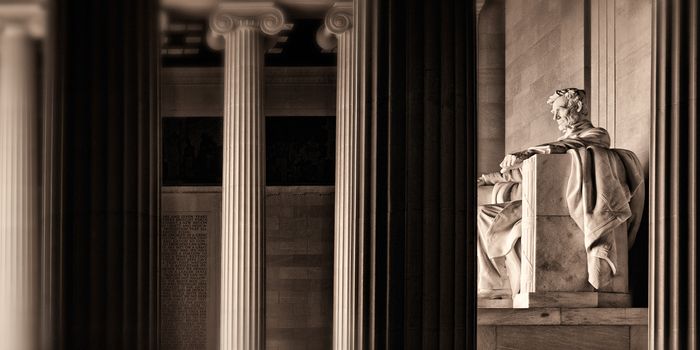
184	45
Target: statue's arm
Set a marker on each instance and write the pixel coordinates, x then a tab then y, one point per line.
552	148
593	137
513	175
512	162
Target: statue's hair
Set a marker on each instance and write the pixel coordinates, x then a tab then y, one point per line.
574	103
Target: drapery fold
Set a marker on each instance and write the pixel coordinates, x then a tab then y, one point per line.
605	190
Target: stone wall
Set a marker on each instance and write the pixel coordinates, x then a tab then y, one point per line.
544	51
299	266
491	81
547	47
620	93
562	328
190	242
299	307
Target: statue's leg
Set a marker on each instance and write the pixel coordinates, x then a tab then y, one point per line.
513	266
489	276
491	280
604	274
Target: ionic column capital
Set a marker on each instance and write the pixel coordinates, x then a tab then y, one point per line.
338	21
29	18
229	16
339	17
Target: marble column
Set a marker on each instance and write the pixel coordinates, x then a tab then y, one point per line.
673	236
337	31
240	28
422	157
20	179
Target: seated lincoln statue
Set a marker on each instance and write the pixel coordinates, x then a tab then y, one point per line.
605	190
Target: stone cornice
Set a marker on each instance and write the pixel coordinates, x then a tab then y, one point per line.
297	76
229	16
339	20
29	16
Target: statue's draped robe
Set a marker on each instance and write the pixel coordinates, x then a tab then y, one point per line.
605	189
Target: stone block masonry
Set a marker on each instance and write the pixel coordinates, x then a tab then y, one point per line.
562	328
299	263
544	51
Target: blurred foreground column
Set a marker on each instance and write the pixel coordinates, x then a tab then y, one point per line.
240	29
673	236
20	177
337	32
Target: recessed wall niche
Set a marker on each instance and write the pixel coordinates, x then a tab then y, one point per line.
192	151
300	151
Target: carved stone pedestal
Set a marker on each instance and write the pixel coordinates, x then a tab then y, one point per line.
562	328
571	299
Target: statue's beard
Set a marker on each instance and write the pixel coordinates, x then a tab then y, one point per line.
569	123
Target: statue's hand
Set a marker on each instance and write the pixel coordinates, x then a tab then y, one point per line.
512	161
480	181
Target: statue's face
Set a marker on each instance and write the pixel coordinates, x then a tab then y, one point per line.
561	113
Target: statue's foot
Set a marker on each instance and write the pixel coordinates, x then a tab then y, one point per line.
494	294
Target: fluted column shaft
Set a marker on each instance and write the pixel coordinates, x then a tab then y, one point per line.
243	189
346	201
338	23
673	236
19	188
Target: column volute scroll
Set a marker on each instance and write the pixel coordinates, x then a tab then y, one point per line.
231	16
338	20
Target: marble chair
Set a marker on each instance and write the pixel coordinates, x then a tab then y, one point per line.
553	260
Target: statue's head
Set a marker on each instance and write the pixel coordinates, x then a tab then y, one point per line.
568	107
